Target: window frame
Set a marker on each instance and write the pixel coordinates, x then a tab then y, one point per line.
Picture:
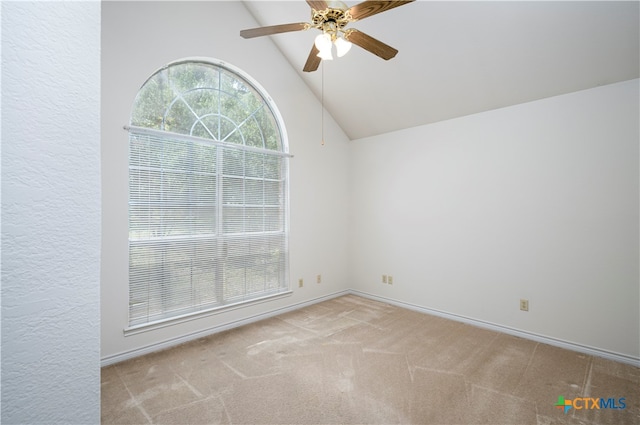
284	288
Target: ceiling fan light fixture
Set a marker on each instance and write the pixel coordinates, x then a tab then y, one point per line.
323	44
325	55
342	46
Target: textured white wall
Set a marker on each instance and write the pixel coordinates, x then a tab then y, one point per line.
535	201
50	212
140	37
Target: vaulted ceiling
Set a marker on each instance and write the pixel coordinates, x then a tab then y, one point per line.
460	58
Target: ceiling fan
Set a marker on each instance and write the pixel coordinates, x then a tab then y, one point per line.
331	17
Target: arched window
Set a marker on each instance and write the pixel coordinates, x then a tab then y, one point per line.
207	193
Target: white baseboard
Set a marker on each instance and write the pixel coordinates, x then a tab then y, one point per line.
116	358
622	358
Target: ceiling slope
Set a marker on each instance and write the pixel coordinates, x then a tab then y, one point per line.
460	58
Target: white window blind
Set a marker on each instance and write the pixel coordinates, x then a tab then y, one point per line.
207	215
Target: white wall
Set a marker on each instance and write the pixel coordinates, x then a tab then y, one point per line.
140	37
535	201
50	212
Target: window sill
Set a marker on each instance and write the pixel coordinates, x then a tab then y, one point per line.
163	323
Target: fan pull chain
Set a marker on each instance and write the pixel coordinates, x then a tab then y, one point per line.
322	102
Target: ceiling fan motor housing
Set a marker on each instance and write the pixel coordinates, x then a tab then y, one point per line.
329	19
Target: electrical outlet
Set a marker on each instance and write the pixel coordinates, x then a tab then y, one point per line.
384	278
300	283
524	305
390	279
319	278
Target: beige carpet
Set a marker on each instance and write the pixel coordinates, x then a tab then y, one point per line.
351	360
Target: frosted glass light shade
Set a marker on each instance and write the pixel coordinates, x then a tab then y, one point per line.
325	55
342	46
323	42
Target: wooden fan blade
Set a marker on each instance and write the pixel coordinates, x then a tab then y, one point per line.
369	43
313	61
371	7
273	29
317	5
